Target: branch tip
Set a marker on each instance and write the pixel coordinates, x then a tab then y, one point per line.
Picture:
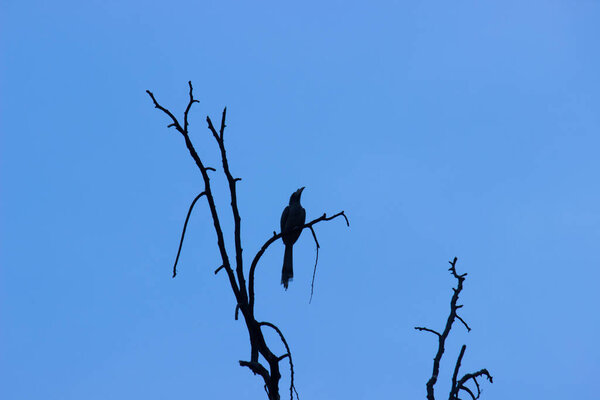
423	329
312	283
464	323
223	123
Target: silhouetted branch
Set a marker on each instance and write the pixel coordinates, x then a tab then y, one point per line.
312	283
466	389
218	269
189	106
256	368
473	376
464	323
234	206
161	108
187	218
419	328
223	123
460	384
288	355
273	238
453	390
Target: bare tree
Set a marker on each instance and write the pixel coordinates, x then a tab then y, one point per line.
458	385
243	292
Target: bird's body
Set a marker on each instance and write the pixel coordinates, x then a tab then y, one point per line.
292	220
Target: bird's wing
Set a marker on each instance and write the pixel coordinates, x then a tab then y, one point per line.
303	214
284	217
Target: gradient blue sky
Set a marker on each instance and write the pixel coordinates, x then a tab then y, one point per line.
468	129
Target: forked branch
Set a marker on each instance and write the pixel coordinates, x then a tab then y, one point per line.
457	385
207	188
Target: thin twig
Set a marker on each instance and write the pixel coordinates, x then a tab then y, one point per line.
161	108
420	328
218	269
482	372
189	106
464	323
312	283
187	218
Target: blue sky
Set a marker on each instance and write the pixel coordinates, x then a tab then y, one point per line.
466	129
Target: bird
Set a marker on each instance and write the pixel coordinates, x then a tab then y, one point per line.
292	220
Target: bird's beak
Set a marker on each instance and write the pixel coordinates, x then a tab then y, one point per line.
300	190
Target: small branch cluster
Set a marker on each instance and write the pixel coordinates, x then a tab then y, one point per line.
457	384
244	293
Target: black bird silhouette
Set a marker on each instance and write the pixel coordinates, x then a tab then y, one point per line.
292	220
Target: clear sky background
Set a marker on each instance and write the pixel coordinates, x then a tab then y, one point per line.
468	129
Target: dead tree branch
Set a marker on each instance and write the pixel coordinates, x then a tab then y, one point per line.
317	247
288	355
187	218
457	385
244	293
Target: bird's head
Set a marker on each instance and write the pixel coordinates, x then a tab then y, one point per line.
295	197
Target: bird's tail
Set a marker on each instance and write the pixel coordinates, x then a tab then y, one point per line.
287	273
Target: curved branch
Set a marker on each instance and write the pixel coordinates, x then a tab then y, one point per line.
312	283
187	218
421	328
288	355
273	238
474	375
470	392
